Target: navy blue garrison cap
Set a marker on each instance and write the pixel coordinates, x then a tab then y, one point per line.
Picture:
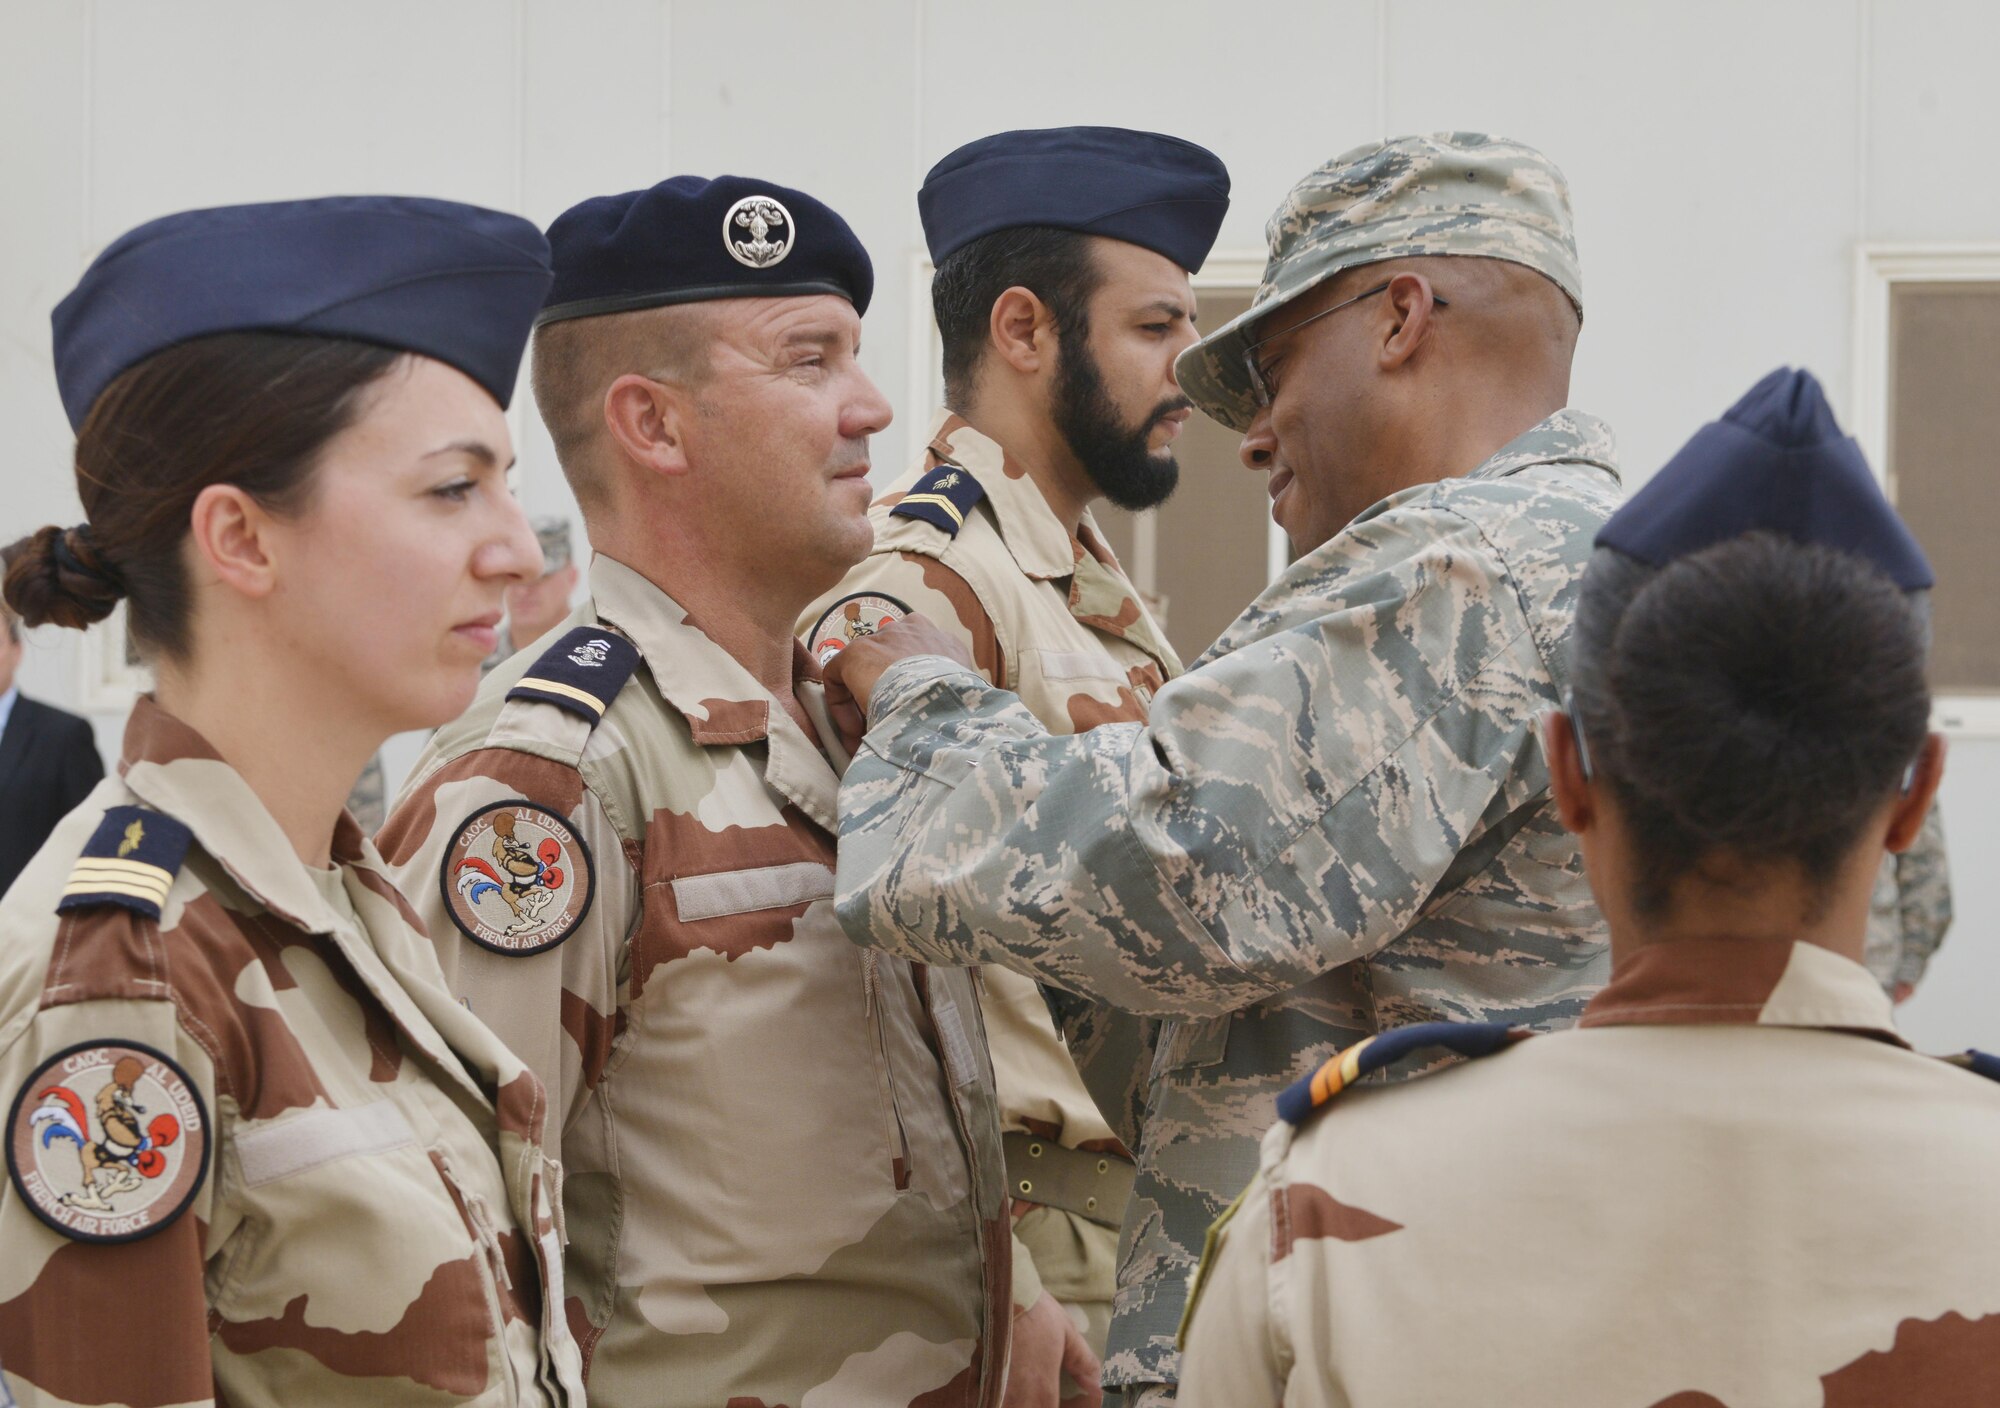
689	239
455	282
1158	192
1775	462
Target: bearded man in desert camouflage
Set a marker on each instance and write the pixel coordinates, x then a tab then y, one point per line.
1339	819
1062	297
783	1169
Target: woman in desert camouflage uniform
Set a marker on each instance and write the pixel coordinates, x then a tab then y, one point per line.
249	1134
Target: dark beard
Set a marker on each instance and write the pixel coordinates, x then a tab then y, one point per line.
1112	454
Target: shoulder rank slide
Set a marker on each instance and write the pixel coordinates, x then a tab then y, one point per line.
1978	1062
131	860
1363	1058
942	498
582	672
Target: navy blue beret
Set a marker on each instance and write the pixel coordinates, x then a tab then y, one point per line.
1776	462
688	240
1158	192
455	282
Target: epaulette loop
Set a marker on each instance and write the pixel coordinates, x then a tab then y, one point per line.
130	860
1978	1062
942	498
1471	1039
582	672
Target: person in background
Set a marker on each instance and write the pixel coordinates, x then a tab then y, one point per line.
782	1162
1062	295
1910	911
1664	1205
256	1151
48	761
1338	820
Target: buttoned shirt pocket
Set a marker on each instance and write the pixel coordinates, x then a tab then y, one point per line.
1084	687
384	1247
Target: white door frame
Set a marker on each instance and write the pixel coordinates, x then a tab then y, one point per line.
1877	269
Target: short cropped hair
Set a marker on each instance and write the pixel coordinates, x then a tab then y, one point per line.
575	361
1757	701
1057	266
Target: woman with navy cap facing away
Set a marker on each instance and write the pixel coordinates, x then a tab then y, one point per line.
1732	1183
256	1153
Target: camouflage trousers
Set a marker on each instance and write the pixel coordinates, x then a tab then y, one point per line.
1141	1396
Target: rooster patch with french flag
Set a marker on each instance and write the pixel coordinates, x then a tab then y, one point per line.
517	879
108	1141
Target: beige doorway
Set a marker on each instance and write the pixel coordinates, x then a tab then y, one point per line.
1207	552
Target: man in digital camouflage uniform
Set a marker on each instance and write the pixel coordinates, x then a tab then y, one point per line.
783	1173
1062	295
1909	911
1339	819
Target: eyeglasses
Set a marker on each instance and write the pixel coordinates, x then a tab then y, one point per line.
1260	389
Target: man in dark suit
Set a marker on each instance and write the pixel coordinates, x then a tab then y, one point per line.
48	763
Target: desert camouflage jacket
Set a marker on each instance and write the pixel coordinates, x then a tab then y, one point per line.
1337	822
1659	1207
1911	908
1053	619
253	1138
781	1154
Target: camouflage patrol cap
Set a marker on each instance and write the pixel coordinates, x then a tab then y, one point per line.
1441	193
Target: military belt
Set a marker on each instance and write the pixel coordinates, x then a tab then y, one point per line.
1094	1186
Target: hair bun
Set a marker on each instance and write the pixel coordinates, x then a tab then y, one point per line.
57	577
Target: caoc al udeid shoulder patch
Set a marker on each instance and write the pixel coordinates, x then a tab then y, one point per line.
108	1142
517	878
862	614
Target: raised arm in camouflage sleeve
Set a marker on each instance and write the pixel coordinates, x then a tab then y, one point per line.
1923	899
1354	761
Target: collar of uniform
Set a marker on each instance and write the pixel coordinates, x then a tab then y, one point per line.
1028	526
1743	982
1567	435
173	769
723	703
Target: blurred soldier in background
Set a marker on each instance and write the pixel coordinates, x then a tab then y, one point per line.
1062	294
1910	911
1733	1183
783	1179
1339	820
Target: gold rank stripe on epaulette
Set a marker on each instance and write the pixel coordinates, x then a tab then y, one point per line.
941	498
952	509
1469	1039
582	672
131	861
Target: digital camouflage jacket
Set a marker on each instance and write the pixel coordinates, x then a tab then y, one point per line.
1337	821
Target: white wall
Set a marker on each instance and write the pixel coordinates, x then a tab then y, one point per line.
1726	156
